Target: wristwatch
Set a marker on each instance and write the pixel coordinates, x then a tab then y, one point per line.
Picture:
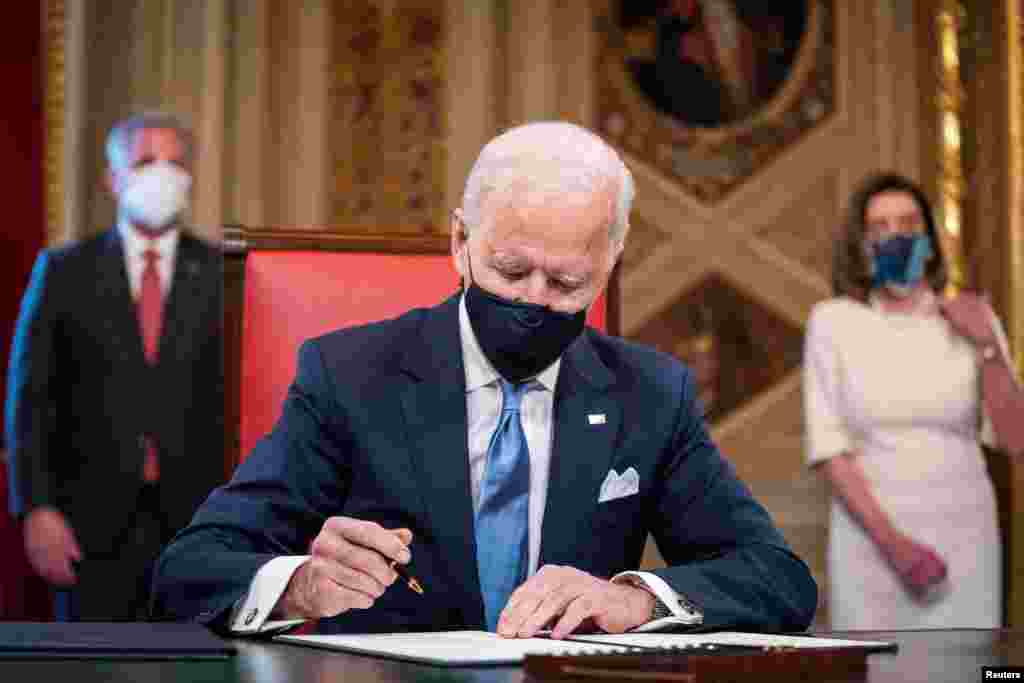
661	610
690	611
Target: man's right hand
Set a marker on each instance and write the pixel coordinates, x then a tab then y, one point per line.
348	569
51	546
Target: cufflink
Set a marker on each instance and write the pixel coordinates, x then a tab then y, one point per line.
690	608
250	616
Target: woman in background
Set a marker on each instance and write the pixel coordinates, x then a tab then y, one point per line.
899	384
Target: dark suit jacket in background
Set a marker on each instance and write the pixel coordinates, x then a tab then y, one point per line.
374	427
81	395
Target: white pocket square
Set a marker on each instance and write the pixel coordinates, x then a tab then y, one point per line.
617	486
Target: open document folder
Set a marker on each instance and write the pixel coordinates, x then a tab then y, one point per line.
467	648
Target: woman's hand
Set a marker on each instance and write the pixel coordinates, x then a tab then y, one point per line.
917	565
970	315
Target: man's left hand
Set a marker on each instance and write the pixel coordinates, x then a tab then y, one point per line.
567	597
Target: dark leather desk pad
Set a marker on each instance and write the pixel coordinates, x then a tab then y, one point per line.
94	640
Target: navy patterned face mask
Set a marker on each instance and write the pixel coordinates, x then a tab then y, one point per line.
520	339
898	262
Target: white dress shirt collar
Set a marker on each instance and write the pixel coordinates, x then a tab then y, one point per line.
479	371
135	245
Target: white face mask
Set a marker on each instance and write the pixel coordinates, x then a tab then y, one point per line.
156	194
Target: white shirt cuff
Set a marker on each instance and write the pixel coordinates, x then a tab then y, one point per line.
251	612
682	613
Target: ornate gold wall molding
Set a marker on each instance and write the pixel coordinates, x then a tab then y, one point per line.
54	28
1015	47
950	104
1015	302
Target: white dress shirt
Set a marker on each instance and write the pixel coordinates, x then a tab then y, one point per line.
483	409
135	245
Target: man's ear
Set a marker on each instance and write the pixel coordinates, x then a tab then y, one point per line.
459	242
458	227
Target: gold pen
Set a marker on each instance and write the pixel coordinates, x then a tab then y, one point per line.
409	579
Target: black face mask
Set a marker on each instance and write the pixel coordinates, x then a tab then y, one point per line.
520	339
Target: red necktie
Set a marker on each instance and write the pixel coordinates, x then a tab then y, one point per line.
151	320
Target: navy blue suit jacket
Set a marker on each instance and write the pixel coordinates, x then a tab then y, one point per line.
81	394
374	427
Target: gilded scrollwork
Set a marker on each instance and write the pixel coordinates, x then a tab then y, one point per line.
952	184
54	28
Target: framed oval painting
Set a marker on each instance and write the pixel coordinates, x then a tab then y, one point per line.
710	90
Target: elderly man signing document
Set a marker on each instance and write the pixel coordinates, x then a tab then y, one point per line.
511	459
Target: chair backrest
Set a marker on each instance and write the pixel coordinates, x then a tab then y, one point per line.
291	296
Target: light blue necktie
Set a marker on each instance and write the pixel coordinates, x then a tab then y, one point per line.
502	549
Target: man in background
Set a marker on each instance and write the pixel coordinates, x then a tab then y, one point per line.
114	411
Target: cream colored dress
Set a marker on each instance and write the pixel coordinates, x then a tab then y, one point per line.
902	391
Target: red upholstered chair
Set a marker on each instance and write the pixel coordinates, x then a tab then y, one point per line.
291	296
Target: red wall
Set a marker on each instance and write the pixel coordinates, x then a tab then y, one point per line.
22	233
21	158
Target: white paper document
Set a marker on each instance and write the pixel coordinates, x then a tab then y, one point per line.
449	648
461	648
678	640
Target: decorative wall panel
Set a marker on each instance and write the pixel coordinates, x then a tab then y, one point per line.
643	240
387	113
736	347
805	229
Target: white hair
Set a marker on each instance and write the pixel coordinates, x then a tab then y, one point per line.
543	160
122	135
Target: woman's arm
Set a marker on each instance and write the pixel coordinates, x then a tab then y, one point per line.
1003	396
1004	402
917	565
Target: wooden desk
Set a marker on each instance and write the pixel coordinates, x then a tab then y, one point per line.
932	656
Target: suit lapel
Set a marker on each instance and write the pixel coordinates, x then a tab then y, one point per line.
581	452
434	408
113	289
180	307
